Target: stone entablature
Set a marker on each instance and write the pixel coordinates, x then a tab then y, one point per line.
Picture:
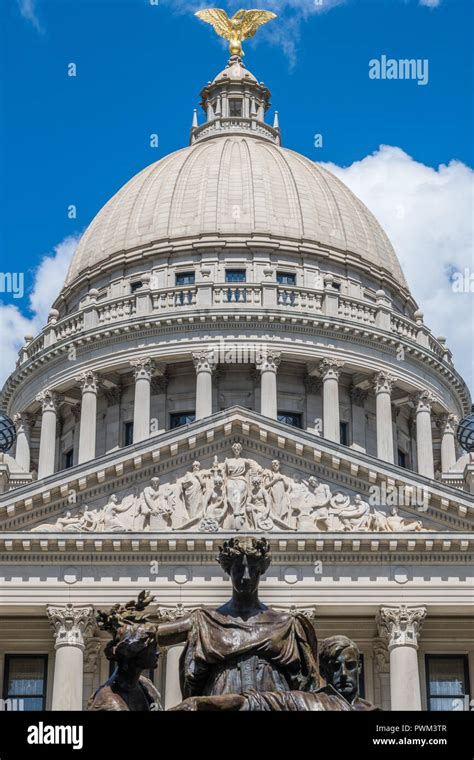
354	338
82	388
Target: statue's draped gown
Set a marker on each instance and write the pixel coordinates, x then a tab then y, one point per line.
274	651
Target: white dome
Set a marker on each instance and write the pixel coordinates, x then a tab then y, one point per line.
235	185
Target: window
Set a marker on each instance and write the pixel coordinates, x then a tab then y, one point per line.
235	275
25	679
286	278
291	418
127	433
235	107
402	458
236	294
181	418
447	682
68	458
344	433
134	286
185	278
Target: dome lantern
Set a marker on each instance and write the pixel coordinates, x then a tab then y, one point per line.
235	102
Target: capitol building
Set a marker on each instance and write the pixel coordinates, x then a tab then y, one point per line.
236	350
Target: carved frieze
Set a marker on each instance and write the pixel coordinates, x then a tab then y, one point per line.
237	494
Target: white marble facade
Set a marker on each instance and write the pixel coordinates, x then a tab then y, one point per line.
236	349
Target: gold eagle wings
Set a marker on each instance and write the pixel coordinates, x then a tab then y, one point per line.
241	26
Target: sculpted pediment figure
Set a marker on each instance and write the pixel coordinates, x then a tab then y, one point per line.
238	494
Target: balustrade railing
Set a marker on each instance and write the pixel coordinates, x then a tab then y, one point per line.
299	299
357	311
404	327
235	295
114	311
35	347
166	300
69	326
228	295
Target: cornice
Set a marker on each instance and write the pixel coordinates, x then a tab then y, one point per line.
175	548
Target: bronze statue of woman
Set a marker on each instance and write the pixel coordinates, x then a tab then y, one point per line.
243	645
133	649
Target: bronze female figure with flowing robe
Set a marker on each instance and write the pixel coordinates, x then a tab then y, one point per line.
243	645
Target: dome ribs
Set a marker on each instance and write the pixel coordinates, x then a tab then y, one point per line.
238	185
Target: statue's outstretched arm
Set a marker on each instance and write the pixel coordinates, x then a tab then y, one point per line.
175	632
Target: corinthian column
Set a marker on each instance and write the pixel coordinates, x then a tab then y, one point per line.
89	384
330	370
400	628
424	438
268	367
383	410
22	451
143	372
448	423
204	365
47	452
69	623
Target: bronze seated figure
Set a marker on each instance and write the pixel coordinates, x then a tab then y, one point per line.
242	656
243	645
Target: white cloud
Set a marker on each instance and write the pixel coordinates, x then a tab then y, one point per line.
428	215
49	278
430	3
28	11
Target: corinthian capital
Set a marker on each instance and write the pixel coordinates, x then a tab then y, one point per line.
88	381
143	368
382	382
23	422
330	369
423	401
49	400
400	626
448	423
70	623
204	361
269	361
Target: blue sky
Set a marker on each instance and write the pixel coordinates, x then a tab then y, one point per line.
140	68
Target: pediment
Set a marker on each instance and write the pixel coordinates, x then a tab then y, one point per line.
282	480
238	493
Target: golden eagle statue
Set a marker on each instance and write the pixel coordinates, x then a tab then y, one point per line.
241	26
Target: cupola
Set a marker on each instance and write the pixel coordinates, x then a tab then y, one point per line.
235	102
